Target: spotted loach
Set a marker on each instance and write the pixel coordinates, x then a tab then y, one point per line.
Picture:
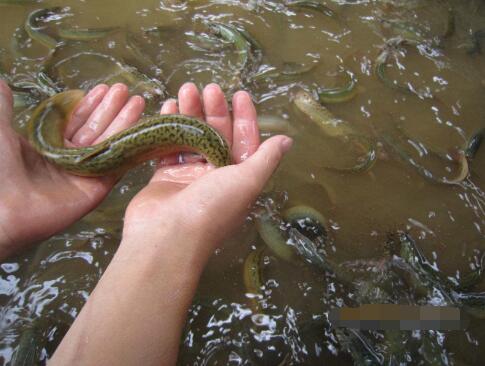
149	138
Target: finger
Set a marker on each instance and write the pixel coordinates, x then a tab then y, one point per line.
6	104
84	109
183	174
189	101
169	107
102	116
127	117
245	130
216	111
265	160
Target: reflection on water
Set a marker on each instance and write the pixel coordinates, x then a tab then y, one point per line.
404	80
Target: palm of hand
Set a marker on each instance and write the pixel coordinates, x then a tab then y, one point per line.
196	198
173	186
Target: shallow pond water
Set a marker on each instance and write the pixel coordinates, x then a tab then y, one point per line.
418	101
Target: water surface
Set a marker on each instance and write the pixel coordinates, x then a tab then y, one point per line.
364	210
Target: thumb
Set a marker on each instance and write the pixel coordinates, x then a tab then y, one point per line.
265	160
6	104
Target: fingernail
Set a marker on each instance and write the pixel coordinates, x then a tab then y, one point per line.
212	87
188	87
119	86
100	88
286	144
242	97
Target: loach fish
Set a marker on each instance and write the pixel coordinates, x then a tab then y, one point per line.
29	349
149	138
85	34
334	127
35	31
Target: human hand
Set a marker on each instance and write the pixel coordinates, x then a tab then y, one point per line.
194	200
36	198
171	228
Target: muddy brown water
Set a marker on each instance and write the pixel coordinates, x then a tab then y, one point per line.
50	283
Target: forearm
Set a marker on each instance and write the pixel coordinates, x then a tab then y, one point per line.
136	313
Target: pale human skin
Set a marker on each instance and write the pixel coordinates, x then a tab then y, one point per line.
137	311
36	192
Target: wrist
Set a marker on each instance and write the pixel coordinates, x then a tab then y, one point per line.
165	245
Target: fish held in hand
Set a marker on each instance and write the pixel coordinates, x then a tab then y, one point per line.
149	138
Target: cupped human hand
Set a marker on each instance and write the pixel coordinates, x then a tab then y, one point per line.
171	227
193	200
36	198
